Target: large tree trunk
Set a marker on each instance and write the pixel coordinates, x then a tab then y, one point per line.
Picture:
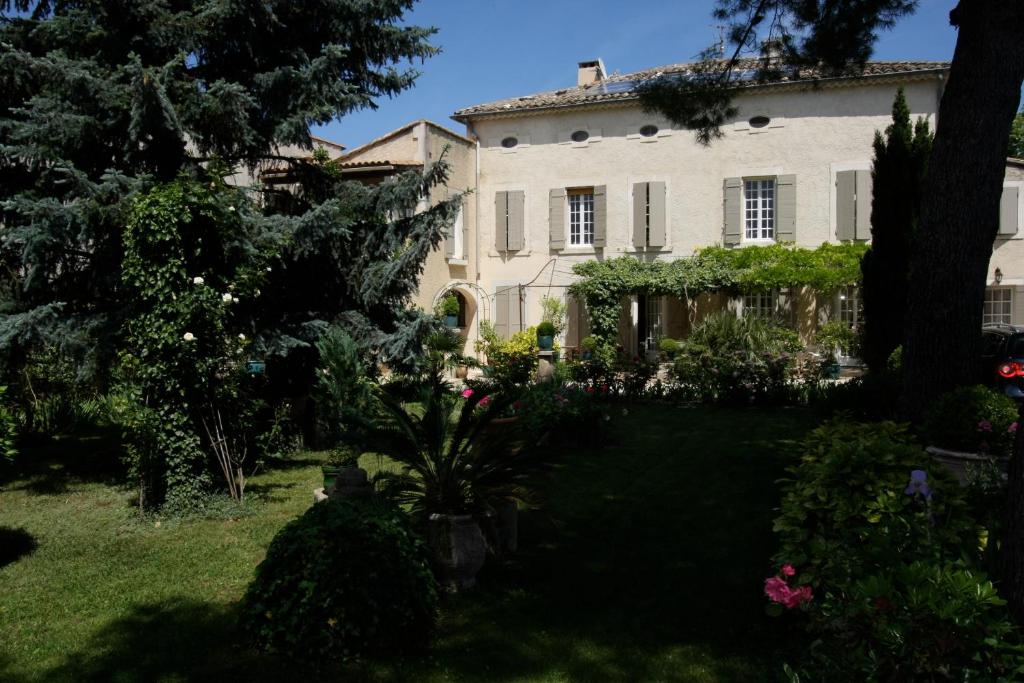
960	211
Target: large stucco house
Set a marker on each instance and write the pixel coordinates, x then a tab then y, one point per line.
583	173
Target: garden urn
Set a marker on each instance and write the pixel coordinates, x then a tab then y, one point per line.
457	549
351	482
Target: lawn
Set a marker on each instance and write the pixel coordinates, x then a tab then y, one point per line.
646	562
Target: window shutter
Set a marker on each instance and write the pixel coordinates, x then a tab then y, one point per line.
556	218
1008	218
785	211
846	205
516	204
515	310
465	232
656	192
639	215
449	239
733	211
501	298
600	215
501	221
863	228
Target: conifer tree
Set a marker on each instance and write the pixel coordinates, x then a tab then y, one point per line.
901	158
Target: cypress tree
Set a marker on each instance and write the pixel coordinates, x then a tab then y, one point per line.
901	157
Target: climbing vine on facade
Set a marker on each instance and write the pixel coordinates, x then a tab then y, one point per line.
603	284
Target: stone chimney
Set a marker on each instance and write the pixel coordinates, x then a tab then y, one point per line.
590	72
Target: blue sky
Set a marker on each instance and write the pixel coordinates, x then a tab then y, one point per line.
494	49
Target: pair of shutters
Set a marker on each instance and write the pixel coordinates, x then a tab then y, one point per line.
649	215
509	214
1009	220
508	309
557	213
785	210
853	205
449	242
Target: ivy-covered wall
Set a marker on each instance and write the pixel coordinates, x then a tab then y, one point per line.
603	284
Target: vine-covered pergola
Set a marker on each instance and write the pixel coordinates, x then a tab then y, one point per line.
603	284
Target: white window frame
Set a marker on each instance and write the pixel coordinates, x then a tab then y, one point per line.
760	305
850	306
579	203
655	319
997	311
759	210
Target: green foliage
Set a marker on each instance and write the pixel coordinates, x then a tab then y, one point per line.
603	284
837	337
973	419
554	311
917	621
873	396
52	396
901	159
344	580
343	388
725	331
589	343
845	512
545	329
561	413
450	305
668	346
514	361
1016	148
8	430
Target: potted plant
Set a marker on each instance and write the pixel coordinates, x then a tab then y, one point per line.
450	309
669	347
339	458
588	346
970	427
830	368
545	335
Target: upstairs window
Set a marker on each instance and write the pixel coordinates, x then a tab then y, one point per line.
759	208
581	216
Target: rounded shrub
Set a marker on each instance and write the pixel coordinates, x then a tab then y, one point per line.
973	419
546	329
345	579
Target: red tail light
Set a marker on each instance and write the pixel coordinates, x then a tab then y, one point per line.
1011	369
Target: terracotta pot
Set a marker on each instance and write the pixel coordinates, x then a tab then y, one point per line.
457	549
461	371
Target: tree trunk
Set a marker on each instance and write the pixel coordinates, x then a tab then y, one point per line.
960	211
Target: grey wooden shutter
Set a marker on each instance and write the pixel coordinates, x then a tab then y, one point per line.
639	215
863	229
516	220
785	208
846	205
1008	220
600	215
501	298
515	310
465	232
656	201
501	221
733	211
556	218
449	240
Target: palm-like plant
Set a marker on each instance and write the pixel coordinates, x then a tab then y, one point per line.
453	460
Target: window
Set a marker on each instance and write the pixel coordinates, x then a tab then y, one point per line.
759	121
509	142
581	216
998	307
649	131
580	136
759	205
851	307
654	328
761	305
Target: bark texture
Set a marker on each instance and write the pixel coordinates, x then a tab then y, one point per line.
960	211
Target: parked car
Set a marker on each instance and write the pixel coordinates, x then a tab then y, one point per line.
1003	358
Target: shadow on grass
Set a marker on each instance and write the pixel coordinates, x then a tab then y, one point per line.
48	466
15	544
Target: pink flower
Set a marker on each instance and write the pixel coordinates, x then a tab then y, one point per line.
787	570
485	400
590	390
985	426
797	597
467	393
1012	429
776	589
780	592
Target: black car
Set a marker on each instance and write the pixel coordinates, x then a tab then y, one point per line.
1003	358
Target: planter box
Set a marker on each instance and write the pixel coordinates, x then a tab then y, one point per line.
957	462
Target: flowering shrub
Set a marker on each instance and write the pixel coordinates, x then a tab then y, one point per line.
974	419
779	591
565	413
733	377
513	362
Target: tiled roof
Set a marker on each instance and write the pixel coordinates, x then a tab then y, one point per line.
377	162
623	87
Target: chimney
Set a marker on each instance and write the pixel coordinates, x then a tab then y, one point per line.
590	72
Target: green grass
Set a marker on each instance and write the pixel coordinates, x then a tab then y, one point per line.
646	562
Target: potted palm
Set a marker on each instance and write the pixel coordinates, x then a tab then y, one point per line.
450	310
452	467
545	335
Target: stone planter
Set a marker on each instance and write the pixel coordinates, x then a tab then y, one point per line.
957	462
330	474
351	482
461	371
457	549
451	320
545	343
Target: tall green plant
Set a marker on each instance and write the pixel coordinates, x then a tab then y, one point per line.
901	159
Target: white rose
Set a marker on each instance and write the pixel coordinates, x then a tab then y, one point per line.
234	299
269	269
231	208
198	280
188	336
241	336
226	298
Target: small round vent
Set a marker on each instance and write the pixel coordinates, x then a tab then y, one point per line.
759	121
649	131
580	136
509	142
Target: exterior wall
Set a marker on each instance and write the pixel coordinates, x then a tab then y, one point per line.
813	134
1008	253
245	177
404	147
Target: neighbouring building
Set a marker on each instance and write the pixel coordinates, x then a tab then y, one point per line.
583	173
